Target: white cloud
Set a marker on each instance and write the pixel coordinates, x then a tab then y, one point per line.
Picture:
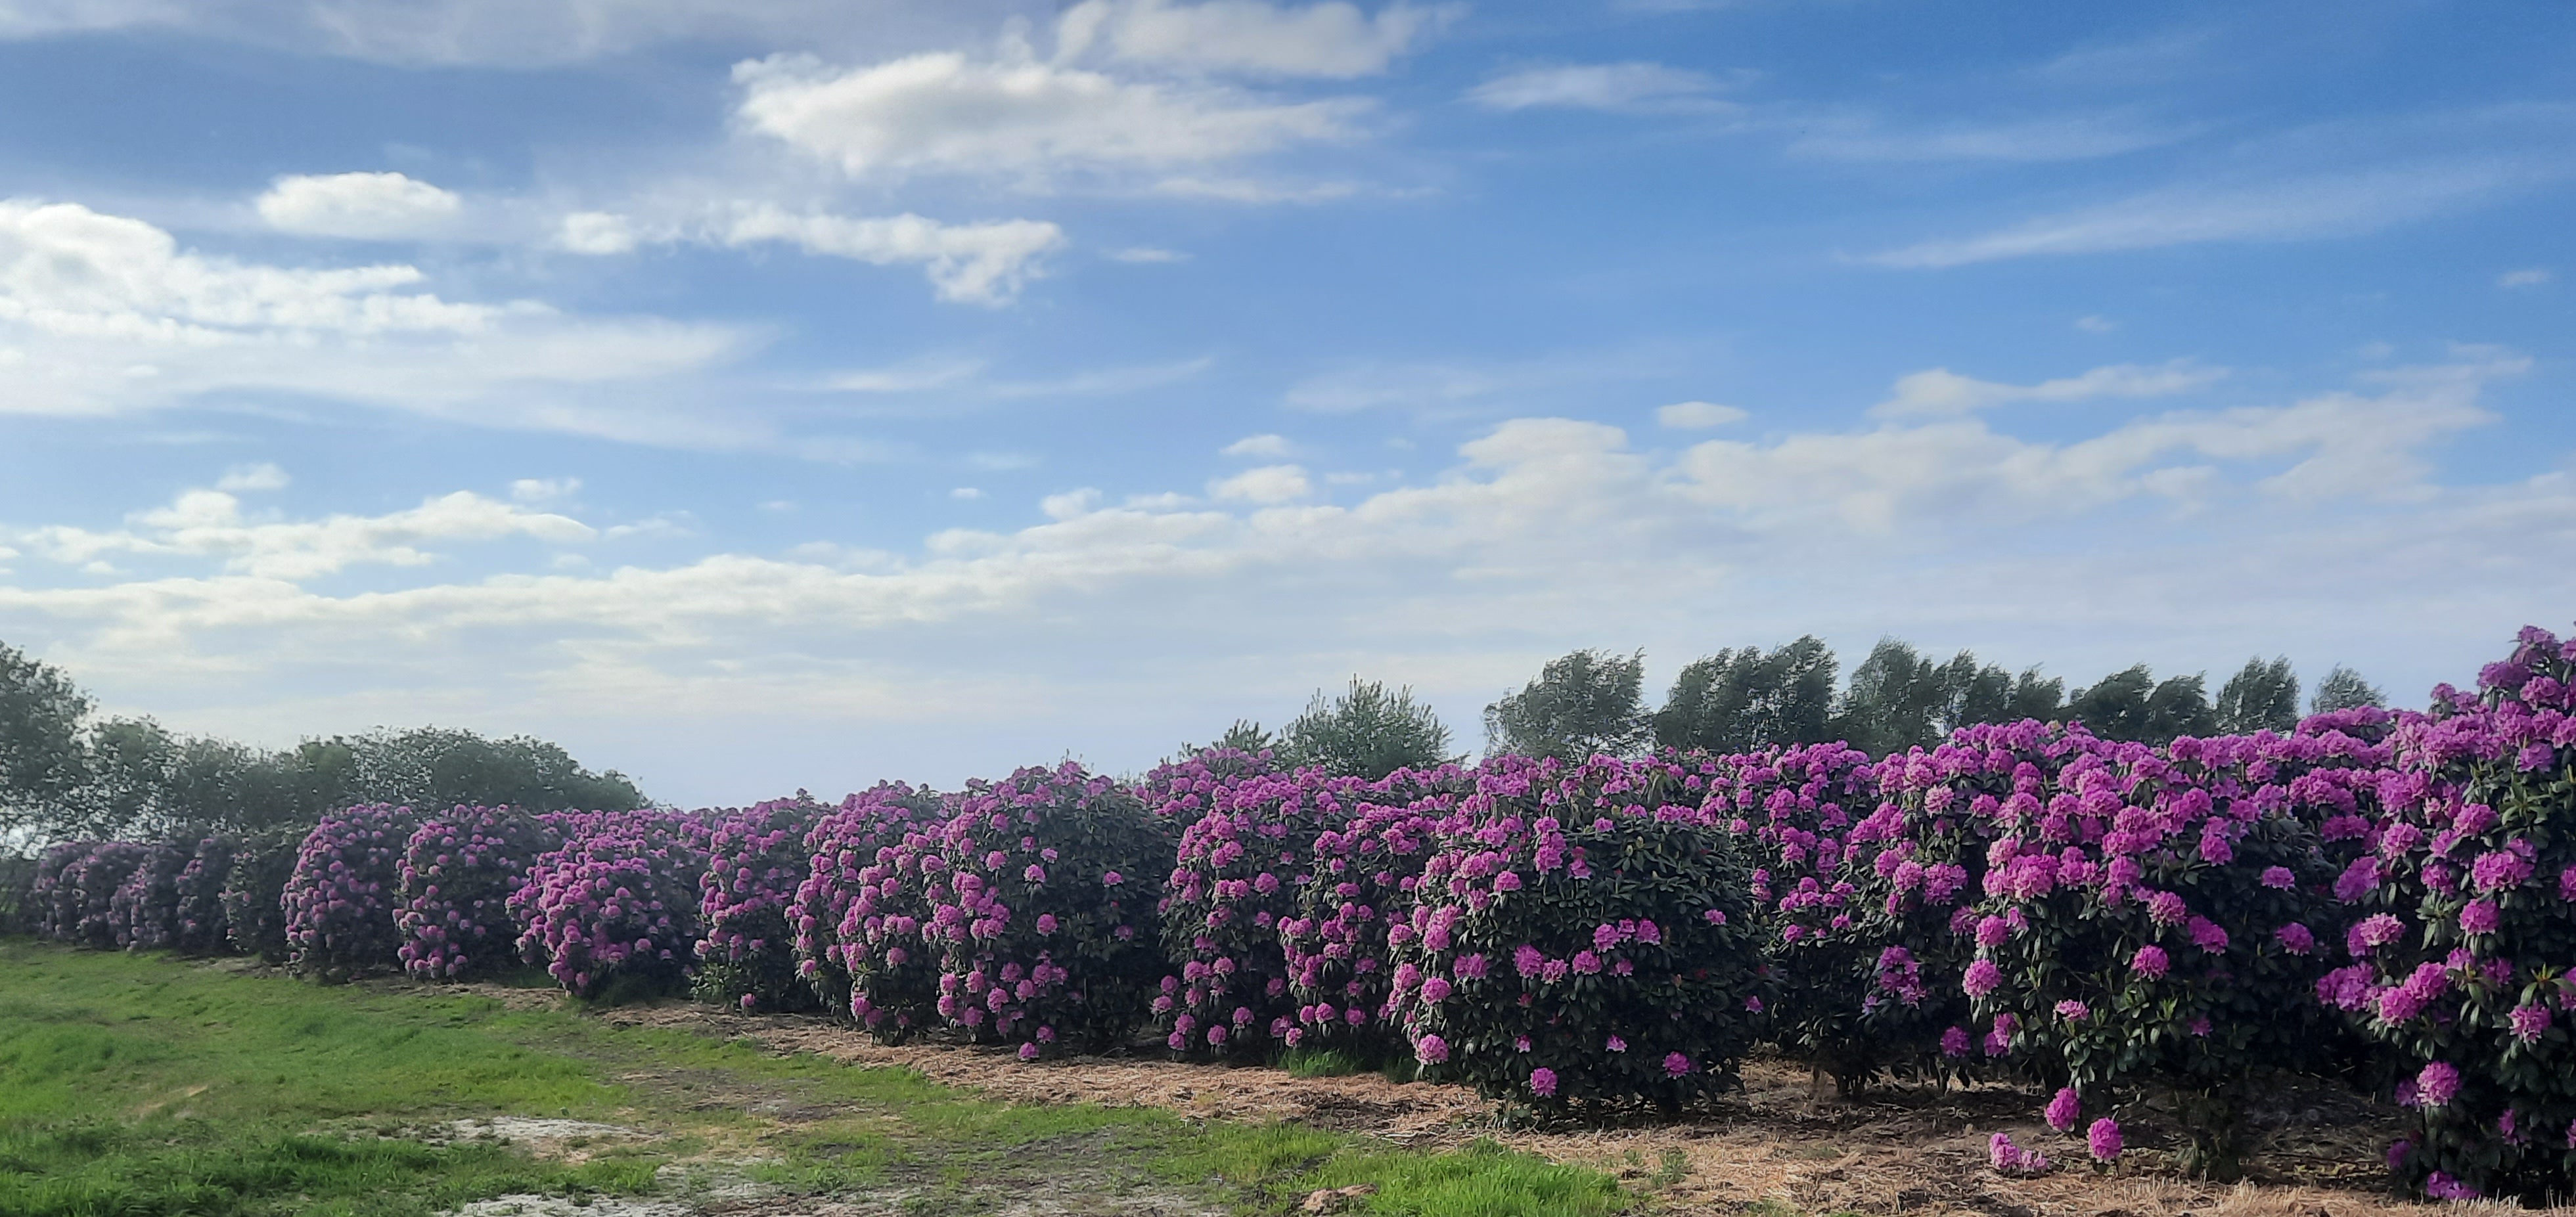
2095	324
1333	39
364	206
1147	255
597	232
2298	209
974	263
1018	118
252	478
113	316
1274	446
2528	277
966	492
1110	631
211	523
544	490
1267	484
1698	415
1622	88
1940	392
2054	138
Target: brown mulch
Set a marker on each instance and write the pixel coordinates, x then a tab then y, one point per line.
1777	1146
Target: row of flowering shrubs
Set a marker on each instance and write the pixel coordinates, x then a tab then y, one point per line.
2383	898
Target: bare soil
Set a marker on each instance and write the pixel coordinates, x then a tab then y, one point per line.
1779	1146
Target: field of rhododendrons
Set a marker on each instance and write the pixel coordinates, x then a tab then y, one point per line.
2380	901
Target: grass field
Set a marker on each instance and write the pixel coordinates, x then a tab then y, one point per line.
144	1085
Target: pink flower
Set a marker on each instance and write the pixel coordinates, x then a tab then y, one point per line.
2441	1186
1047	923
2279	878
2102	1140
2150	962
1587	963
1543	1082
2529	1021
2073	1011
2480	917
1028	1052
2167	908
1954	1042
2438	1084
2208	935
2065	1110
1983	978
1615	1044
1676	1064
1431	1050
1718	916
2296	938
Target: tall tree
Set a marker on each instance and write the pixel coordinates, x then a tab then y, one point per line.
42	763
1584	704
442	767
1366	732
2036	696
2261	696
1741	699
1897	699
2344	689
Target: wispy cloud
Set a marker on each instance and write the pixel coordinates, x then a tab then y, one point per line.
1618	88
2299	209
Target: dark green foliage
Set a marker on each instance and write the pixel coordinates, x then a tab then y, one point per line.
41	712
2344	689
1367	732
1585	704
1735	701
2133	706
2260	697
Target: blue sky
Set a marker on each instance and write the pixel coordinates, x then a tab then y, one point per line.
782	393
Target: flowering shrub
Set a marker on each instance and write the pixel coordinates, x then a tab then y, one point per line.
2468	921
198	925
1842	978
1580	937
1237	877
853	894
254	894
144	911
457	873
2151	917
1041	890
756	857
614	913
1361	884
341	899
78	906
1177	793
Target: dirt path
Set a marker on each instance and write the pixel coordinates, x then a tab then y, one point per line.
1775	1147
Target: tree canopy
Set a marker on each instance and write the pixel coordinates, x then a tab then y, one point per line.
1585	704
1366	732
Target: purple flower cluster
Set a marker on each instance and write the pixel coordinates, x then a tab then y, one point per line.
145	908
341	899
852	894
1239	873
615	911
1362	879
1561	947
1034	902
457	874
75	890
756	860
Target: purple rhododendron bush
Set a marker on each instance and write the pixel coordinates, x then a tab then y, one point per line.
1583	935
2461	959
756	860
457	873
613	914
1362	881
853	895
1041	892
145	909
75	891
341	898
1238	873
2152	919
254	894
198	924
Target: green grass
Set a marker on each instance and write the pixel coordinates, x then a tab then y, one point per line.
141	1086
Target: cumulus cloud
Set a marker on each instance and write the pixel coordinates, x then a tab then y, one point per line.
1267	484
1941	392
1698	415
1108	628
109	314
1260	445
212	524
975	263
1334	39
1018	118
1619	88
599	233
362	206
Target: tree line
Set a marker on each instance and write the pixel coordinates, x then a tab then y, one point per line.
1592	702
67	772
